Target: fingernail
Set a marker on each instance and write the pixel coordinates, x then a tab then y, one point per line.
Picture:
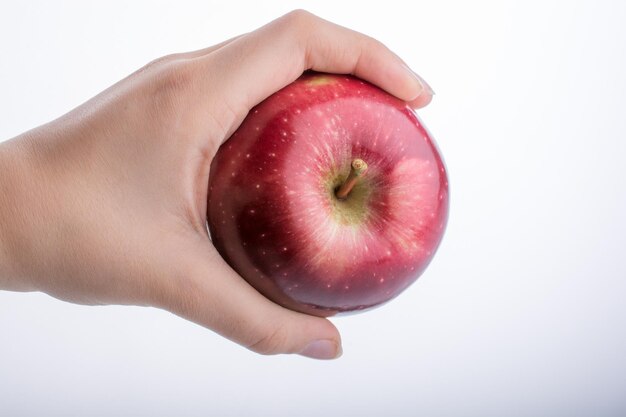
425	86
322	349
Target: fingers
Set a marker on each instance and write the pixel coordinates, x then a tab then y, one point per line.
211	294
260	63
422	100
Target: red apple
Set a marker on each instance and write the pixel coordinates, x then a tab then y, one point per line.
274	212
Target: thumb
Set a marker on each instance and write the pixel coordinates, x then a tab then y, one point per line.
207	291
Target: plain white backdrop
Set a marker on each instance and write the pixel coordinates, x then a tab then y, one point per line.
523	310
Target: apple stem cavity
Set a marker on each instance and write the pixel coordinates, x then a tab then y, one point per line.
357	169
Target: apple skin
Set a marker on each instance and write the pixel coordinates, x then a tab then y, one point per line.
273	215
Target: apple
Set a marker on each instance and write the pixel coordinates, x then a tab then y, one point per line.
330	197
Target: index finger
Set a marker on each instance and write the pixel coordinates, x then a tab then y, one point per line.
262	62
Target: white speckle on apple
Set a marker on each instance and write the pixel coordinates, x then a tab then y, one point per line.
258	186
381	280
247	155
251	211
272	154
257	128
388	253
232	174
284	248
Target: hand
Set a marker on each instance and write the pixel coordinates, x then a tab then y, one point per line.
107	204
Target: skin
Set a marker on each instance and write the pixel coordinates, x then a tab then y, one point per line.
106	205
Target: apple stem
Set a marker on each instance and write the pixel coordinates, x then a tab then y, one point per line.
357	169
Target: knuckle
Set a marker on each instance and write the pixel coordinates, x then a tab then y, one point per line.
372	44
298	26
157	63
166	91
270	342
171	87
175	76
299	20
299	16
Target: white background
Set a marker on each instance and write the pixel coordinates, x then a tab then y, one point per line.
521	313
